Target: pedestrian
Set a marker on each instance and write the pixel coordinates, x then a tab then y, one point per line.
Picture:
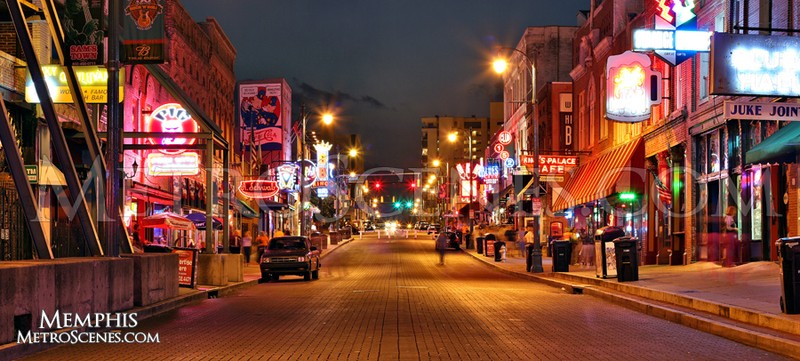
529	240
730	237
261	242
247	242
278	233
521	242
235	242
441	246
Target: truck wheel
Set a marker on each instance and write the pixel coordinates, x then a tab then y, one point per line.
265	276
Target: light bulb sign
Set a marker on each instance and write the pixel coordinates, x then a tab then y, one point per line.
632	87
171	118
322	159
755	65
259	189
675	38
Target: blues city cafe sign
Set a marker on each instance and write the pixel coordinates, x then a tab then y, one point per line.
675	37
759	65
762	111
633	88
171	118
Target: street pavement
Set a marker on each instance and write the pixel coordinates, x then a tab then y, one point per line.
387	299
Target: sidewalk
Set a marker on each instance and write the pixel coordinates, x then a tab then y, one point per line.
740	303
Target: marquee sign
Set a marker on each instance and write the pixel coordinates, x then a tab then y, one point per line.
632	87
171	118
172	165
675	38
322	159
259	189
550	164
755	65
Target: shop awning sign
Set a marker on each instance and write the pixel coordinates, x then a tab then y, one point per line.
551	164
762	111
259	189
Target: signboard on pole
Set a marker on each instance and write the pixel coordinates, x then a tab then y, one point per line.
536	206
144	39
32	171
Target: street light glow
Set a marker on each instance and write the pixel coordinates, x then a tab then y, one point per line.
353	152
436	163
500	65
327	118
452	137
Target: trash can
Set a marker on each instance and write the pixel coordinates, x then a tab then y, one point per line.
479	244
627	259
488	249
529	256
562	253
789	253
319	240
468	241
499	246
604	260
335	237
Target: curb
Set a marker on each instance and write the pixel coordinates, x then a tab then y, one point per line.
592	287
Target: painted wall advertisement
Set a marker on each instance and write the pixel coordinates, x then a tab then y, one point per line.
260	116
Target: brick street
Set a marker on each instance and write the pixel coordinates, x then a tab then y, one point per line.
387	299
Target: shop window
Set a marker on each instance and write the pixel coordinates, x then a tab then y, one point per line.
713	153
703	78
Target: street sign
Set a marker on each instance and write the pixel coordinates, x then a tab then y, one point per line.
536	206
32	171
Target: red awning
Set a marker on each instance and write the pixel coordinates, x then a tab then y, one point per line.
616	170
167	220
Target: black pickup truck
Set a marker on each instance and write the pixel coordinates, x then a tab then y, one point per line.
291	255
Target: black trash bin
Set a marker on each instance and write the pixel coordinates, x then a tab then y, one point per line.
468	241
498	250
529	256
627	259
562	253
479	244
488	246
605	262
789	252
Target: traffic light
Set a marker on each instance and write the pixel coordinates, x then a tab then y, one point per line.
398	205
377	185
409	204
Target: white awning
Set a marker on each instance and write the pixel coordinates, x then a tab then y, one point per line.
49	175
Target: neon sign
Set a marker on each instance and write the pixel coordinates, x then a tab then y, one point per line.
322	159
172	165
93	80
287	176
504	137
755	65
632	87
171	118
259	189
675	38
468	172
550	164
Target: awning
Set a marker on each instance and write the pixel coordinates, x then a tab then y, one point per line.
167	220
780	147
615	170
49	175
199	220
271	206
245	209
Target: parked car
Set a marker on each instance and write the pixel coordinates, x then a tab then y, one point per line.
421	225
380	225
434	228
291	255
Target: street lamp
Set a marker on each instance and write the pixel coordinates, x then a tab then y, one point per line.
327	119
500	65
452	137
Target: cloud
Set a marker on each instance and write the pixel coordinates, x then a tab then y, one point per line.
312	93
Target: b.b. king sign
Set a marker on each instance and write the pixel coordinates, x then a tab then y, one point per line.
675	38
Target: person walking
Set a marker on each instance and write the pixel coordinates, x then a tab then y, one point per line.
247	243
730	238
261	242
441	246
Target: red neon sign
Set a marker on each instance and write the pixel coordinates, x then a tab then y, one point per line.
259	189
504	138
171	118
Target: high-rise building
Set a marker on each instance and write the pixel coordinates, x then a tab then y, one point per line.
436	144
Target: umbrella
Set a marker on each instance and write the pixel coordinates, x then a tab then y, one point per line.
167	220
199	220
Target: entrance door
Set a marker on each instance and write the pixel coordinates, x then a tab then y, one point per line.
711	222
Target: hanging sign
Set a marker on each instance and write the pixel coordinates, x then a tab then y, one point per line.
504	137
259	189
675	38
745	64
143	38
322	159
633	88
287	176
172	165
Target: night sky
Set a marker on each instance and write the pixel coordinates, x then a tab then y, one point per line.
381	64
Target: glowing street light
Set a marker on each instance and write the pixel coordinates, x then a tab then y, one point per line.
500	65
437	162
327	118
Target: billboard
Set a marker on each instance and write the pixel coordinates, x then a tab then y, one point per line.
261	116
755	65
82	22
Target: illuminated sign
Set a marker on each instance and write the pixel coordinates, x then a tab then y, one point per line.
675	38
322	192
259	189
287	176
632	87
762	111
172	165
467	187
491	173
92	79
509	162
310	173
550	164
171	118
498	148
466	171
504	137
504	155
322	159
755	65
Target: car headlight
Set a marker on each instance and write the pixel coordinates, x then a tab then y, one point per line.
301	259
265	260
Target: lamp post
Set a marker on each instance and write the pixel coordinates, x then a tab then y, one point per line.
327	119
500	66
471	188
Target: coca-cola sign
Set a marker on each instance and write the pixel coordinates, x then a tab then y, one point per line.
259	189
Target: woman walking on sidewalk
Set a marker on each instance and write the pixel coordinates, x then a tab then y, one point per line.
441	246
247	243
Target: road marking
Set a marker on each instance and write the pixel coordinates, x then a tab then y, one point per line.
416	287
363	291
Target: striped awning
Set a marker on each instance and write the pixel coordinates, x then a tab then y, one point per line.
619	169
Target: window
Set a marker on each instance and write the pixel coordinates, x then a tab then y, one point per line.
584	141
703	78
